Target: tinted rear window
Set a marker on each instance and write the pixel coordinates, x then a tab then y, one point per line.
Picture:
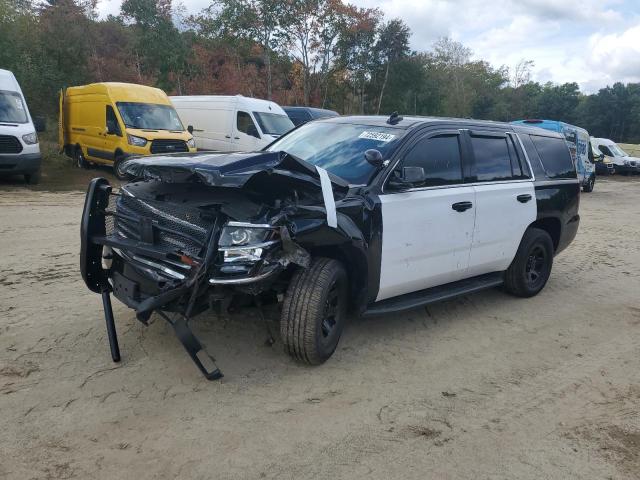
493	162
555	157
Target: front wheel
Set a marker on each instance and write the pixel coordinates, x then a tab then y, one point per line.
588	187
117	168
531	267
314	311
33	178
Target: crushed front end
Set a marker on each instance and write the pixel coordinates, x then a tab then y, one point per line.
178	248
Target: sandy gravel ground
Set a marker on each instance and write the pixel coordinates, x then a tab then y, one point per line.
483	387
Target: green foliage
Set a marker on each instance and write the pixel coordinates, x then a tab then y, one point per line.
325	53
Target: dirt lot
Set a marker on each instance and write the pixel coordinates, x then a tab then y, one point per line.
484	387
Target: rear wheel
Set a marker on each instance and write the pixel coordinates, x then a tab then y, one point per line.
314	311
531	267
79	159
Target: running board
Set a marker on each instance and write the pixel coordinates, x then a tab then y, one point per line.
435	294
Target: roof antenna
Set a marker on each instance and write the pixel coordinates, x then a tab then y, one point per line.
394	119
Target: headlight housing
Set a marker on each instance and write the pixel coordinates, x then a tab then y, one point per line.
244	244
191	143
136	141
30	138
239	234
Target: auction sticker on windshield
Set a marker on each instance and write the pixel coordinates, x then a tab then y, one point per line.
379	136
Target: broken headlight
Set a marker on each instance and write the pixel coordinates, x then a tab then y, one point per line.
245	242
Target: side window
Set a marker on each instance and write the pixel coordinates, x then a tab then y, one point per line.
604	149
493	161
245	124
440	158
113	128
555	156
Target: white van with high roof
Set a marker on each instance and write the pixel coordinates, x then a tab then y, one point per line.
231	123
19	148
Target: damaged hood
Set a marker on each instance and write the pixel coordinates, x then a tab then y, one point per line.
235	169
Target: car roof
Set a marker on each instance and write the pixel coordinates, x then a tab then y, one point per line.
411	122
312	110
8	81
553	125
603	141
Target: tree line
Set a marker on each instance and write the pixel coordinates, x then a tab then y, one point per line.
324	53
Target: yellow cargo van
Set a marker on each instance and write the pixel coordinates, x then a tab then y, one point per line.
106	123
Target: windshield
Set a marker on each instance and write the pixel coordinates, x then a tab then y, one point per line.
339	147
12	108
617	151
149	116
273	124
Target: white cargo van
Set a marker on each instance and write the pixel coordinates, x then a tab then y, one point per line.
623	163
231	123
19	148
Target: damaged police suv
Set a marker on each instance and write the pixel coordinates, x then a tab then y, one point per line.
360	215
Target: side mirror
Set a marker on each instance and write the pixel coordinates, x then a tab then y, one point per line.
40	124
408	177
374	157
253	131
601	157
111	129
190	129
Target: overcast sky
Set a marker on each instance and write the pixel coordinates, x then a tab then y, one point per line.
592	42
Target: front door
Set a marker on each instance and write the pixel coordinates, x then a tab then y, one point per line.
246	137
505	201
427	229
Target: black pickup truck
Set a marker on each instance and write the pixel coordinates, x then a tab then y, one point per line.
348	215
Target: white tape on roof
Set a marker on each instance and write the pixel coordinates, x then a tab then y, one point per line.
327	195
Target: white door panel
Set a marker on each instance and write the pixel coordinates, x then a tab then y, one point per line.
425	242
501	220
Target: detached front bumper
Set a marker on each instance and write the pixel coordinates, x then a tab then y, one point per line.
154	258
20	164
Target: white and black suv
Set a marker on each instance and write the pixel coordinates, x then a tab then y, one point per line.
367	215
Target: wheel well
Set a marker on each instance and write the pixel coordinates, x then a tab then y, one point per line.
117	153
552	226
355	264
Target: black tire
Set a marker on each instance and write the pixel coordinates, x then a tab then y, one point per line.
531	267
33	178
588	187
79	159
117	168
314	311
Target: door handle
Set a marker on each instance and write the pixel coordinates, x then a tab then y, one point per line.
462	206
227	136
524	198
236	138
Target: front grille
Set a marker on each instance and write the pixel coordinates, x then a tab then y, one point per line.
168	146
169	227
10	144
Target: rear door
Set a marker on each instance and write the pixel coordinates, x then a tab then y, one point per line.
427	229
505	200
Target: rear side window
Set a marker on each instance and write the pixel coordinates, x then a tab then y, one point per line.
555	156
493	161
440	158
